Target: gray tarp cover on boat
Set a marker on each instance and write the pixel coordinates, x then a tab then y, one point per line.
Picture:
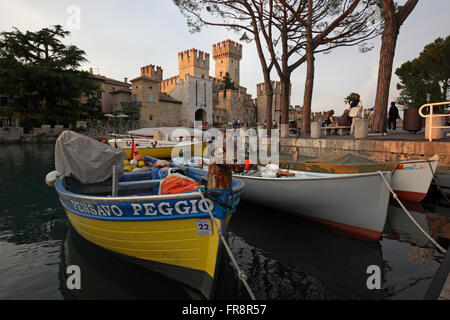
343	158
86	159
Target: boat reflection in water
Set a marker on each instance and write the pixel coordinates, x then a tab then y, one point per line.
105	276
401	228
284	257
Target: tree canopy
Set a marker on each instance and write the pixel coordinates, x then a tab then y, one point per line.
427	77
227	83
39	75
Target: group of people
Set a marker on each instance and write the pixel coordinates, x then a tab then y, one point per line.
354	110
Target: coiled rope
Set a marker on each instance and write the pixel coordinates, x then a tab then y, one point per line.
241	274
409	215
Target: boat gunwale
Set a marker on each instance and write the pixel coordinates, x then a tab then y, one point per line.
63	192
328	176
412	161
165	147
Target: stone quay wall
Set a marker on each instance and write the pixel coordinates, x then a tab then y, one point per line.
378	150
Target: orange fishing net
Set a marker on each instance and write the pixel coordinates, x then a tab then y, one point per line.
173	185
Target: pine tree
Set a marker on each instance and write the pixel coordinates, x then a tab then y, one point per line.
39	75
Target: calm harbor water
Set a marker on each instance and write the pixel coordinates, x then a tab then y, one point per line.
284	257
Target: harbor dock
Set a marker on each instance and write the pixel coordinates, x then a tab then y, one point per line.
393	146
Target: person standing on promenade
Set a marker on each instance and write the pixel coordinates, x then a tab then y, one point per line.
355	111
392	117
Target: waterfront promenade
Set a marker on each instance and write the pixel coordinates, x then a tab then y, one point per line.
393	146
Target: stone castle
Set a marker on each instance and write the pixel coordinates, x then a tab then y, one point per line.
194	95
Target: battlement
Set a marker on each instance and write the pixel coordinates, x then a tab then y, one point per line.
153	72
193	58
227	48
261	88
216	82
229	94
169	84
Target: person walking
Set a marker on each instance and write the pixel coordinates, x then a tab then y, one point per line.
355	111
393	116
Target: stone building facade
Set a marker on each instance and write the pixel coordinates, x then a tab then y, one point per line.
110	91
156	108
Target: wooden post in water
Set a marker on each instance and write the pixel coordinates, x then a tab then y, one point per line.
219	173
115	182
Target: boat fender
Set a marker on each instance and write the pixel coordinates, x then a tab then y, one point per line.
272	167
249	165
51	178
160	173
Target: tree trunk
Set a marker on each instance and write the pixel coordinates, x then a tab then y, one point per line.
269	102
387	53
392	24
285	101
307	98
285	80
309	83
444	90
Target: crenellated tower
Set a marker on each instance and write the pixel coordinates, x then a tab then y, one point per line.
227	56
193	62
155	73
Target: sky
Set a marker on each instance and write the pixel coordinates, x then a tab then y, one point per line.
119	37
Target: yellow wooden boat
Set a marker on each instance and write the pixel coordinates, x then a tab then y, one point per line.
172	233
165	152
169	234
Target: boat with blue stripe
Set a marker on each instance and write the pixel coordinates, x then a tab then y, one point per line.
172	234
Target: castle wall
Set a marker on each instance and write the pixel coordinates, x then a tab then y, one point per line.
195	93
233	105
261	102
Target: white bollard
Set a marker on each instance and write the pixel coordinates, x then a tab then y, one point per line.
361	128
436	133
316	131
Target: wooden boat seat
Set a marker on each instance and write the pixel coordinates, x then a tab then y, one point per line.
140	184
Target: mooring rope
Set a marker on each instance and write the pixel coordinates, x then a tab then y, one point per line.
409	215
241	273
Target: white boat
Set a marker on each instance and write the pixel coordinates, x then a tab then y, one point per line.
411	179
354	203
